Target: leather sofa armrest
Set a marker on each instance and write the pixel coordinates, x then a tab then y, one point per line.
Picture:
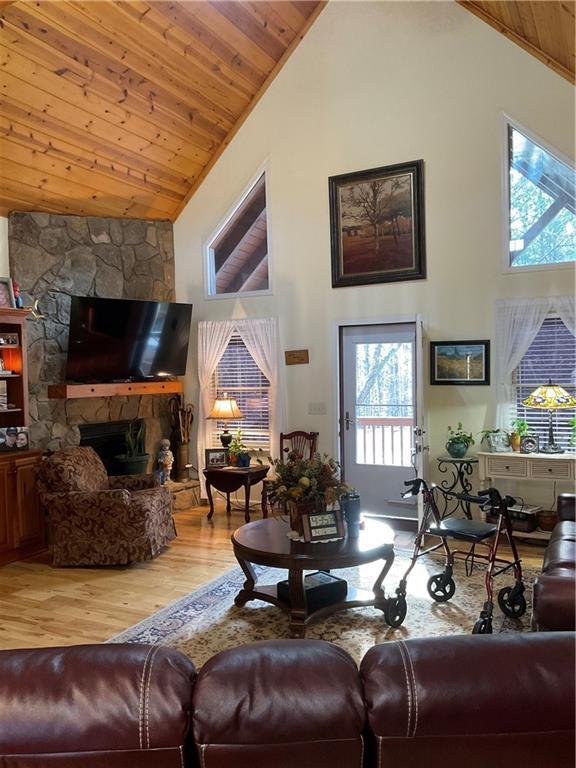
104	704
566	506
280	703
474	701
554	601
133	482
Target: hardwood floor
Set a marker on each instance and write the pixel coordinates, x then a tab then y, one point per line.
41	605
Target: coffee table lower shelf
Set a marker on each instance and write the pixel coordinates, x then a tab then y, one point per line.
355	598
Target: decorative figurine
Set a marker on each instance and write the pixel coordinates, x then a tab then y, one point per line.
165	460
18	303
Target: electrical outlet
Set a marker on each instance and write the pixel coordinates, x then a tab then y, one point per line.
317	409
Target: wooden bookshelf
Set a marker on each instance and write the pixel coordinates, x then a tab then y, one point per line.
119	389
13	355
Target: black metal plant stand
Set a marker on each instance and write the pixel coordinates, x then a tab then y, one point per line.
457	483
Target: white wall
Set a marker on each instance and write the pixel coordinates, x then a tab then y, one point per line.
374	84
4	268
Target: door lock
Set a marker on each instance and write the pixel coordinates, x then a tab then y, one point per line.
348	421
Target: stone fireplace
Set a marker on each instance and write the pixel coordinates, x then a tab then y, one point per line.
54	257
108	438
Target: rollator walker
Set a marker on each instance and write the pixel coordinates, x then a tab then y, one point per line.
441	586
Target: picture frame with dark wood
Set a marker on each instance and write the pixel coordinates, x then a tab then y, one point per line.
320	525
215	457
460	362
377	225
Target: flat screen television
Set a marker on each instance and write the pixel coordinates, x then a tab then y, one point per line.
126	340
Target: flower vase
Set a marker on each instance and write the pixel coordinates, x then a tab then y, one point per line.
295	511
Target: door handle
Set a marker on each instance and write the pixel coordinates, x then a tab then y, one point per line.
348	421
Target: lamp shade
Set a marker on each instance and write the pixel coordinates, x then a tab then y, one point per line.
225	409
549	397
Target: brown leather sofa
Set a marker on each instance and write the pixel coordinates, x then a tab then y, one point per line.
475	701
554	598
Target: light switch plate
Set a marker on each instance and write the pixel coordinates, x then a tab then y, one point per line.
317	409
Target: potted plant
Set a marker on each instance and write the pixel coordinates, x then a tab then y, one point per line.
458	441
238	452
305	484
496	440
572	440
519	429
135	460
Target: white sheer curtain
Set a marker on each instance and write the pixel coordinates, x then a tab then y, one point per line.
517	323
261	337
566	308
213	338
262	340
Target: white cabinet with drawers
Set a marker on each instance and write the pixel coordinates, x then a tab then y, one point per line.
524	467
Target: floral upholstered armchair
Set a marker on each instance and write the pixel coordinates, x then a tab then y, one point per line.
95	519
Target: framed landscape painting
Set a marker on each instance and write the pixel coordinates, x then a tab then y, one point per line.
377	225
460	362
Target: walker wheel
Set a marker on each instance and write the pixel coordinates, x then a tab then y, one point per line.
483	627
439	589
513	605
395	611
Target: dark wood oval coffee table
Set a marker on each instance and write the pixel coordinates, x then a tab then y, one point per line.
264	542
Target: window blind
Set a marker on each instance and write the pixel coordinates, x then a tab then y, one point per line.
552	355
239	376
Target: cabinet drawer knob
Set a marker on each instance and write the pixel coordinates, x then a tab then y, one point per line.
549	469
508	467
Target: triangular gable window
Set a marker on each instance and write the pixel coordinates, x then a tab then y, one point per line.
238	261
542	210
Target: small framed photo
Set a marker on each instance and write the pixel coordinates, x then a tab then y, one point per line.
7	299
14	439
460	362
377	225
319	526
215	457
529	444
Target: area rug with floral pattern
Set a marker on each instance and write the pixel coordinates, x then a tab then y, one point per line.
206	621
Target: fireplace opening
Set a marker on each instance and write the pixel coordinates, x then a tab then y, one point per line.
108	438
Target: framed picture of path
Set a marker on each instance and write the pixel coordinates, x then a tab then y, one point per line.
377	225
460	362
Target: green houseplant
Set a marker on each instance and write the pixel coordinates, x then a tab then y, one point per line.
458	441
519	429
134	461
238	452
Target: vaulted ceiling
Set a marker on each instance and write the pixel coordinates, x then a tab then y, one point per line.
121	107
115	108
544	28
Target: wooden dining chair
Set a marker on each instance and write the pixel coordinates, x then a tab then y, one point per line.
304	443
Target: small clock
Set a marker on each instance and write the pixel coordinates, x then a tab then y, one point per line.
319	526
529	444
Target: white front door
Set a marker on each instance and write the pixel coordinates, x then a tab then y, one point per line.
379	433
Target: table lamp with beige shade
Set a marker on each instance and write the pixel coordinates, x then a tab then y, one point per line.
225	409
550	397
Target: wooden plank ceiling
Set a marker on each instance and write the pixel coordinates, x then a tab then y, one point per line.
120	107
544	28
117	108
